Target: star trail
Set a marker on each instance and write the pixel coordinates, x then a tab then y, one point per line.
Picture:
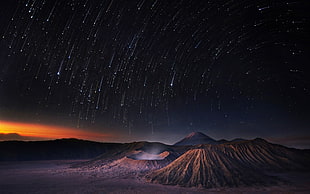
157	66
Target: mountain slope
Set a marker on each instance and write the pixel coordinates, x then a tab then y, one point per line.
196	138
129	165
234	164
135	151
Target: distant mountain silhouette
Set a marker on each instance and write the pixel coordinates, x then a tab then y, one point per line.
196	138
59	149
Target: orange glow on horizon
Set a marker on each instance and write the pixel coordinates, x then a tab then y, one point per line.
49	131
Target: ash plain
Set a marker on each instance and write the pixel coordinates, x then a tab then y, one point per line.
58	176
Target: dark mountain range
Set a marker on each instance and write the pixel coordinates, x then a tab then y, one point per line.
231	164
221	141
60	149
197	138
189	163
238	139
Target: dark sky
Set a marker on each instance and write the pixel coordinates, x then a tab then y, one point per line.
158	69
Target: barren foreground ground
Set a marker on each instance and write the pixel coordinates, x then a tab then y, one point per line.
58	177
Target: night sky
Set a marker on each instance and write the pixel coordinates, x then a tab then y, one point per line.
158	69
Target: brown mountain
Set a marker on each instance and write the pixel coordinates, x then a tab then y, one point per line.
231	164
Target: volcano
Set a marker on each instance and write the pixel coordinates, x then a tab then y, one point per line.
138	163
195	161
244	163
196	138
133	157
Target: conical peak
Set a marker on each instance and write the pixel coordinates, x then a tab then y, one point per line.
196	134
196	138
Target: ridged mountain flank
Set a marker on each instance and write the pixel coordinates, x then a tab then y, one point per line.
230	165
